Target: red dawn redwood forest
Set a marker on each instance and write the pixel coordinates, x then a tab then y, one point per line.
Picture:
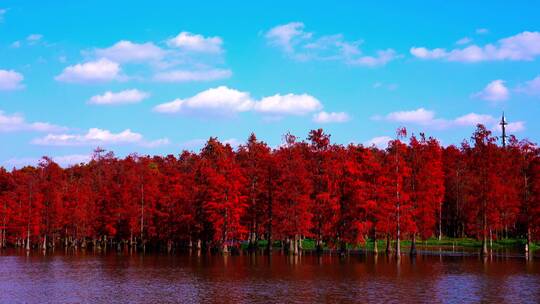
337	195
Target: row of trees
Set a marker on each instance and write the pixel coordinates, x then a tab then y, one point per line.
337	195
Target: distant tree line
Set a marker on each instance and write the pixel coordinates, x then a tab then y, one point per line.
220	197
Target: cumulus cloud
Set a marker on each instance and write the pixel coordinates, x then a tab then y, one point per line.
16	122
101	70
290	104
226	101
218	100
196	43
63	160
34	38
195	75
95	137
494	91
524	46
332	117
10	80
424	53
482	31
531	87
122	97
301	45
419	116
472	119
513	127
185	57
387	86
380	142
464	40
428	119
127	51
285	36
381	58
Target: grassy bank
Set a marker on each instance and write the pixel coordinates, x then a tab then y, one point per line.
309	244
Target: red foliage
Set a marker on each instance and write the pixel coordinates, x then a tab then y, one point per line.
335	194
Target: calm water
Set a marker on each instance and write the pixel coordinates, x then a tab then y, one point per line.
112	278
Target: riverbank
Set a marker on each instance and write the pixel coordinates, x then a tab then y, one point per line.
446	244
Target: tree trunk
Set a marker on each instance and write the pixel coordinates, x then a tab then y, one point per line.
388	246
484	245
319	244
375	249
413	245
28	239
490	239
270	216
142	214
440	221
398	246
528	243
484	229
342	247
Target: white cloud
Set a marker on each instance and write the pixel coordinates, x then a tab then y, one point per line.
424	53
192	144
16	122
387	86
325	117
226	101
288	104
101	70
16	44
186	57
127	51
428	119
155	143
34	38
517	126
72	159
482	31
472	119
512	127
382	58
187	76
494	91
464	40
10	80
122	97
524	46
196	43
531	87
2	13
220	100
233	142
300	45
283	35
63	161
95	137
419	116
380	142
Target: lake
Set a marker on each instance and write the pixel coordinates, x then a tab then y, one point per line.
184	278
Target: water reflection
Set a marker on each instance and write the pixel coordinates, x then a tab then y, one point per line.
135	278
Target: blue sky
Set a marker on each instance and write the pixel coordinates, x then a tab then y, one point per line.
156	78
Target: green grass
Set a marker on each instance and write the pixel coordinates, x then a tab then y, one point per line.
457	242
310	244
